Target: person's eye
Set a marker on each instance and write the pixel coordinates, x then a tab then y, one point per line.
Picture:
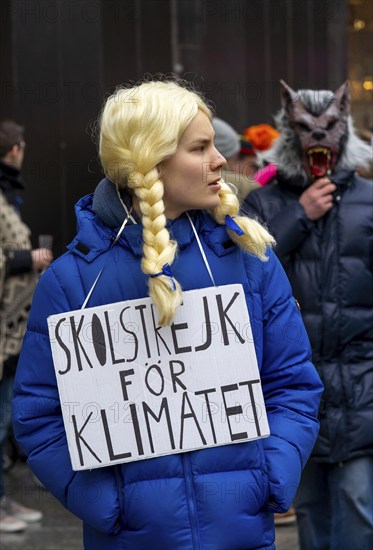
199	148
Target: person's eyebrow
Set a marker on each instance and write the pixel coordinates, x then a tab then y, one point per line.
200	140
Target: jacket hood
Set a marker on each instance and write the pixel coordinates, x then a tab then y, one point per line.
111	204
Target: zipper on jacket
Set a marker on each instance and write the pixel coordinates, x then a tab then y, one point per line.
191	499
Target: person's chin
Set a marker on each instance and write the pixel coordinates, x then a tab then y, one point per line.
212	203
207	204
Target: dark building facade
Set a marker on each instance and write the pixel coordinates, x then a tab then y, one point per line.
59	59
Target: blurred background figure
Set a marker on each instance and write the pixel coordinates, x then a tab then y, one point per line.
227	142
262	136
19	271
247	159
254	140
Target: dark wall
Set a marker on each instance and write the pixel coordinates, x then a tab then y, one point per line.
136	37
54	89
245	46
7	57
59	59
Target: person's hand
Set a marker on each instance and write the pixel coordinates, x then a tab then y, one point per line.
41	258
317	199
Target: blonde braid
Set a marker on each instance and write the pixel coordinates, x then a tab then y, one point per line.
140	127
255	238
159	249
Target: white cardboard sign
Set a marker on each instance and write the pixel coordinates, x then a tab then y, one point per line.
133	390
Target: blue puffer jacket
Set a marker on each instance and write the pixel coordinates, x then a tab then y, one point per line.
220	498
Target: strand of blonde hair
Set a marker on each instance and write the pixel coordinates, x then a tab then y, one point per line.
256	238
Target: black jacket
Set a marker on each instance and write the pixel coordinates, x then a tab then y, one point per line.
330	263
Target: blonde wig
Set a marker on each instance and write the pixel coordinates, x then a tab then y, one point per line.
140	127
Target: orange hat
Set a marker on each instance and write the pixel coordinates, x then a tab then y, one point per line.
261	136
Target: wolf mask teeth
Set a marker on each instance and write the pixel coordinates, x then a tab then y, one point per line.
320	161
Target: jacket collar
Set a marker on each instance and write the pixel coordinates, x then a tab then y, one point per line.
342	178
11	175
11	183
96	236
298	184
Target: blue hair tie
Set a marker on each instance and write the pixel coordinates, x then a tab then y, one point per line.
233	226
166	270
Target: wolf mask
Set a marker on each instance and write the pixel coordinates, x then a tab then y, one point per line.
317	135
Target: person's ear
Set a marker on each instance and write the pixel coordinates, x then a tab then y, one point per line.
14	150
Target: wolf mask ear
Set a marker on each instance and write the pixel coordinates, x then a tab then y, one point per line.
343	98
289	98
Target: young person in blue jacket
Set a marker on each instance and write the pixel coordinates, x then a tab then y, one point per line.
163	175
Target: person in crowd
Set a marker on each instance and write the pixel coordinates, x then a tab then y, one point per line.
320	212
163	222
18	276
259	138
235	172
247	159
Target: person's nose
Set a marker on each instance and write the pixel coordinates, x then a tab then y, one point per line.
218	160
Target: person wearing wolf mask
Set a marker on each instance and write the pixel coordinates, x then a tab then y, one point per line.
320	212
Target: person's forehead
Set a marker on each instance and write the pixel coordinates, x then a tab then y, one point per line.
199	128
